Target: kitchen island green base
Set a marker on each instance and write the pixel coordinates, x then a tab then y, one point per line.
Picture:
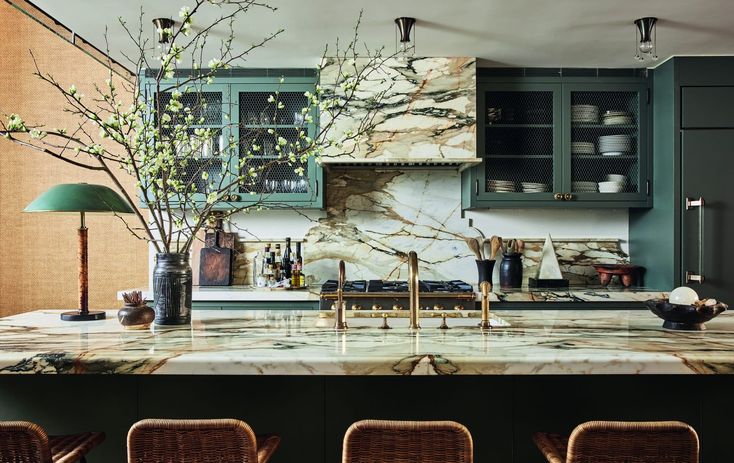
312	412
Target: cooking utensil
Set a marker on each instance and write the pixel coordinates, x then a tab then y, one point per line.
494	245
474	247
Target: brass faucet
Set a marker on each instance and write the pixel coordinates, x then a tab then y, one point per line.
414	289
485	287
340	317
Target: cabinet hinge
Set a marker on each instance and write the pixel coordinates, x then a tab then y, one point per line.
648	96
647	187
476	187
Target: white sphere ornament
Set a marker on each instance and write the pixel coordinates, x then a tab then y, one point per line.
683	295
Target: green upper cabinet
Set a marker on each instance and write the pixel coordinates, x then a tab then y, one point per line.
238	112
560	142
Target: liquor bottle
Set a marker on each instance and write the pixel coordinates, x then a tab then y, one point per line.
296	275
299	261
285	263
266	258
277	263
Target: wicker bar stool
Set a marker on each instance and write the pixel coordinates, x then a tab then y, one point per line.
616	441
198	441
379	441
26	442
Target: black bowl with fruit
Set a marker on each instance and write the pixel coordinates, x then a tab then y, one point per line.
686	317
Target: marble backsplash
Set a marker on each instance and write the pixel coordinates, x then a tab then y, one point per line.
374	218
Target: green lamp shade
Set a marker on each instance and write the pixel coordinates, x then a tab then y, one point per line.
79	197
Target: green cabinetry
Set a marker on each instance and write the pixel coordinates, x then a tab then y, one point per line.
236	109
560	142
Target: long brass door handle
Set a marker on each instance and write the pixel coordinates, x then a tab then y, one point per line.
690	204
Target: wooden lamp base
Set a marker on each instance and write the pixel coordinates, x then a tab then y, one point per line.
79	316
83	314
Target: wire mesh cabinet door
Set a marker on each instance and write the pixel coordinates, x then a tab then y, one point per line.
605	143
267	117
519	139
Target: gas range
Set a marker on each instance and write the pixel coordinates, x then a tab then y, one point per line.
394	295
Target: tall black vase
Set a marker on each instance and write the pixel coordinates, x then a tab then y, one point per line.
172	289
485	269
511	271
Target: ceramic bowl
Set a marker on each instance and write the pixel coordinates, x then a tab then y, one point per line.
617	178
684	317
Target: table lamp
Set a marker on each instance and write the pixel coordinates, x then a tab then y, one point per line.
82	198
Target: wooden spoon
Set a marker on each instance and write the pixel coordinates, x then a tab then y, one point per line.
474	247
495	243
520	246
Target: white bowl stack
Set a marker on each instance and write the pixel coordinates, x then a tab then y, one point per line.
615	183
585	114
501	186
615	145
534	187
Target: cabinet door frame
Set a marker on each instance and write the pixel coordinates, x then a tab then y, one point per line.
643	147
479	172
312	199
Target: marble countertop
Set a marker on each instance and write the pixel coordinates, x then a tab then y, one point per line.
567	342
572	294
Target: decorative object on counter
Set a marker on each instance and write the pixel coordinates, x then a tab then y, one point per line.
511	265
647	30
683	295
171	144
280	270
215	263
627	273
485	268
172	289
82	198
687	317
549	273
135	314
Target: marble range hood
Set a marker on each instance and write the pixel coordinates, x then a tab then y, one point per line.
426	117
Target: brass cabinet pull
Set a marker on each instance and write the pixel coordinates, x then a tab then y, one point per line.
558	196
568	197
690	204
234	197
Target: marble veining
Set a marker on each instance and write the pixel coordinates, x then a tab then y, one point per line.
567	342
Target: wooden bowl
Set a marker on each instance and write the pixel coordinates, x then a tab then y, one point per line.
627	273
684	317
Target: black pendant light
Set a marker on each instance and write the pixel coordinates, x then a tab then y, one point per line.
646	43
405	26
161	24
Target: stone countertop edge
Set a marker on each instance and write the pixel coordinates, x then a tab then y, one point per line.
572	294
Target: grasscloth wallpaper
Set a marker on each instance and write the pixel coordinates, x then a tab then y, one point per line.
38	267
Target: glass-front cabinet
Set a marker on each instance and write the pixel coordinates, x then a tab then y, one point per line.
247	130
575	143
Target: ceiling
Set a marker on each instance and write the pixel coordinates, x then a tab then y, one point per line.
533	33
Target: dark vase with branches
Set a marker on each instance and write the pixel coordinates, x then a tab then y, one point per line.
159	141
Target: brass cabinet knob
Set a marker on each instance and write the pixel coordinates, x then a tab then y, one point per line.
397	307
438	307
356	307
234	197
458	307
376	307
558	196
568	197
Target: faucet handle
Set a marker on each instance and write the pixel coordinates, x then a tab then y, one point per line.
342	275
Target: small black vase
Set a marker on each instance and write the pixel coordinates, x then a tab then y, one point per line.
511	271
172	289
485	269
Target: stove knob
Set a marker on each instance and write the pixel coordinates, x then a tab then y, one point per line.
397	307
376	307
356	307
438	307
458	307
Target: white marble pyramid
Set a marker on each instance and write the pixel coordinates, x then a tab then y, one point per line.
549	268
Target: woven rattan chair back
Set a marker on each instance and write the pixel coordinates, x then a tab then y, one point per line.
23	442
191	441
377	441
633	442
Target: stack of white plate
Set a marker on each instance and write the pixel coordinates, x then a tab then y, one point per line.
582	147
615	145
617	118
584	187
585	113
534	187
501	186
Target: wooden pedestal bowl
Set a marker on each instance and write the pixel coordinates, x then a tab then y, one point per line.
684	317
627	273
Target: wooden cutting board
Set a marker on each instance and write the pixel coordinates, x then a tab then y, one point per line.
215	267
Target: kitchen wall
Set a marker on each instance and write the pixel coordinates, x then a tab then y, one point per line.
39	266
373	217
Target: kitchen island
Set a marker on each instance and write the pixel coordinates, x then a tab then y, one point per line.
289	372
